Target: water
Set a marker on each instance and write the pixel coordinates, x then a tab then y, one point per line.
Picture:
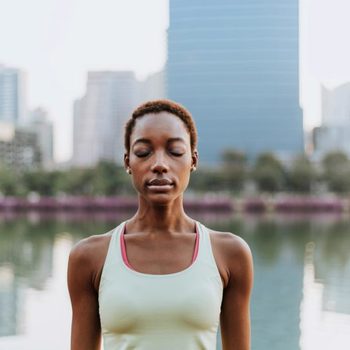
301	289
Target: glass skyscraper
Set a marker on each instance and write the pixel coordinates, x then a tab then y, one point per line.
235	66
12	95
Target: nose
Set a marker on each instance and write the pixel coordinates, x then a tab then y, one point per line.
160	165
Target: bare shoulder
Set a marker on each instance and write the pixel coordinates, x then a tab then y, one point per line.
85	250
233	255
87	257
230	244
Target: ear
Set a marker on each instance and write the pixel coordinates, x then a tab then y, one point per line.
195	158
126	161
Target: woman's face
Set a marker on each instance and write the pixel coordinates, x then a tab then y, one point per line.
160	152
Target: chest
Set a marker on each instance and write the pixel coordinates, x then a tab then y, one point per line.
159	256
136	303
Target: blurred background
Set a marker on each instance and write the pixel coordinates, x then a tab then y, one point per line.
268	85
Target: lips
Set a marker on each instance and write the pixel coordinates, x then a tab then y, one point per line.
160	182
160	185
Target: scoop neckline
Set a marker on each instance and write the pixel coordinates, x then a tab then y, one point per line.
151	275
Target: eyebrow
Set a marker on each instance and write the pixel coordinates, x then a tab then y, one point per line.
148	141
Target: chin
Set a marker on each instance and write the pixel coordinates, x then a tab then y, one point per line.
160	198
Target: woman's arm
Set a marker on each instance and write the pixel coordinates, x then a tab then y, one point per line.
235	311
86	328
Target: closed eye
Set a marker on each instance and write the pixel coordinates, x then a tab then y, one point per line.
177	154
145	154
142	155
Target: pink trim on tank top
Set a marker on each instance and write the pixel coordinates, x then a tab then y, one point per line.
125	258
123	247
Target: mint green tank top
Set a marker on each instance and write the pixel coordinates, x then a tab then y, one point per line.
176	311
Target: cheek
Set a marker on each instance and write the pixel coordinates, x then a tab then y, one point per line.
137	183
185	171
188	164
185	164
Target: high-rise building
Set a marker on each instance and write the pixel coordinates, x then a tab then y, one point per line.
235	66
99	117
336	106
152	88
12	95
19	147
334	133
41	125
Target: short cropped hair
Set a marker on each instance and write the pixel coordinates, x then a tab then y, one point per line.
156	107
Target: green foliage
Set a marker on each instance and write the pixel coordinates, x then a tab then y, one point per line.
206	180
76	181
40	181
268	173
104	179
336	171
301	175
340	182
108	179
234	169
8	182
334	161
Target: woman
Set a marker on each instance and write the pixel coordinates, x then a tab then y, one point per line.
160	280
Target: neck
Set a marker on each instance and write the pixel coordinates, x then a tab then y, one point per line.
160	218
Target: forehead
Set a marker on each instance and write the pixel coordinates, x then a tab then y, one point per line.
162	125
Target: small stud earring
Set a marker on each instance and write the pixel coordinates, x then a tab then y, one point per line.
128	171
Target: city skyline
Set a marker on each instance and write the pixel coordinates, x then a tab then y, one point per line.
81	37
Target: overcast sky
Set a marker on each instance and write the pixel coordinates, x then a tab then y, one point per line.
57	41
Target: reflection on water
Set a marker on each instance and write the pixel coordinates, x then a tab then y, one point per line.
301	286
325	312
10	302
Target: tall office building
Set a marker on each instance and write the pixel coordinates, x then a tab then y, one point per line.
336	106
334	133
235	66
12	95
99	117
19	147
43	127
152	88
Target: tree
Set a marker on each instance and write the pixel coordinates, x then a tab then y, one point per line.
301	175
234	169
206	180
40	181
104	178
76	181
8	182
268	173
333	161
336	171
110	179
